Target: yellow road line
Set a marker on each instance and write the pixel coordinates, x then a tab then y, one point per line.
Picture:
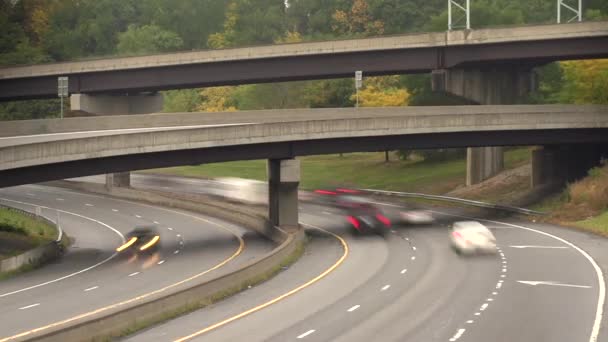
146	295
279	298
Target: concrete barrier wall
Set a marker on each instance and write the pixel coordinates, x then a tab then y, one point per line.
404	41
114	321
38	255
514	118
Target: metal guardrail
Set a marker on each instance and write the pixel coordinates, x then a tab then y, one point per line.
38	216
456	200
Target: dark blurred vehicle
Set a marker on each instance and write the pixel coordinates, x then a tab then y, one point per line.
362	215
145	239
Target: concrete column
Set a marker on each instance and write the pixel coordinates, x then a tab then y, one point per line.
483	163
283	181
545	166
84	104
490	86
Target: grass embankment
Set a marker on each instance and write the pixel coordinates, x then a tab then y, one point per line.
19	233
583	204
364	170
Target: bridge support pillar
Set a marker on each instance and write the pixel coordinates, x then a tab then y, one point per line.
84	104
490	86
120	179
283	181
545	166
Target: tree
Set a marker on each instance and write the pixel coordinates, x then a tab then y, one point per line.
382	92
585	82
147	39
216	99
357	21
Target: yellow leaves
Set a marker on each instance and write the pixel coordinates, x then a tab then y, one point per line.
382	92
290	37
357	20
225	39
586	81
216	99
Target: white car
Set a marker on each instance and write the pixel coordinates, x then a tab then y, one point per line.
416	216
470	237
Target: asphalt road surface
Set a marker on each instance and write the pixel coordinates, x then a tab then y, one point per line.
92	276
544	285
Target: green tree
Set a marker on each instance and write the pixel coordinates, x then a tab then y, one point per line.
147	39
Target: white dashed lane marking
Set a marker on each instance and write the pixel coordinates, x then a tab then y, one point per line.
138	216
306	333
60	199
413	258
88	204
385	287
133	274
403	271
483	307
176	252
457	335
91	288
354	308
161	262
115	210
29	306
156	222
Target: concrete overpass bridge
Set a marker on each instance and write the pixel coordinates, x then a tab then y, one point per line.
486	66
77	149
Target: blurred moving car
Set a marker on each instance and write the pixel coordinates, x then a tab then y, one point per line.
470	237
416	216
143	239
362	215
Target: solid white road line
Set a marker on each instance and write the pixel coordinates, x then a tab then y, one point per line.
354	308
545	247
457	335
75	273
29	306
124	130
133	274
552	283
599	312
91	288
306	333
385	287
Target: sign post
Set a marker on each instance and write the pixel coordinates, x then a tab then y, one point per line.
62	90
358	84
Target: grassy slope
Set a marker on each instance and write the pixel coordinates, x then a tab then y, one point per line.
583	204
366	170
19	233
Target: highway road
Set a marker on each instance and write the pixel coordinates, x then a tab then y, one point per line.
545	285
91	276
